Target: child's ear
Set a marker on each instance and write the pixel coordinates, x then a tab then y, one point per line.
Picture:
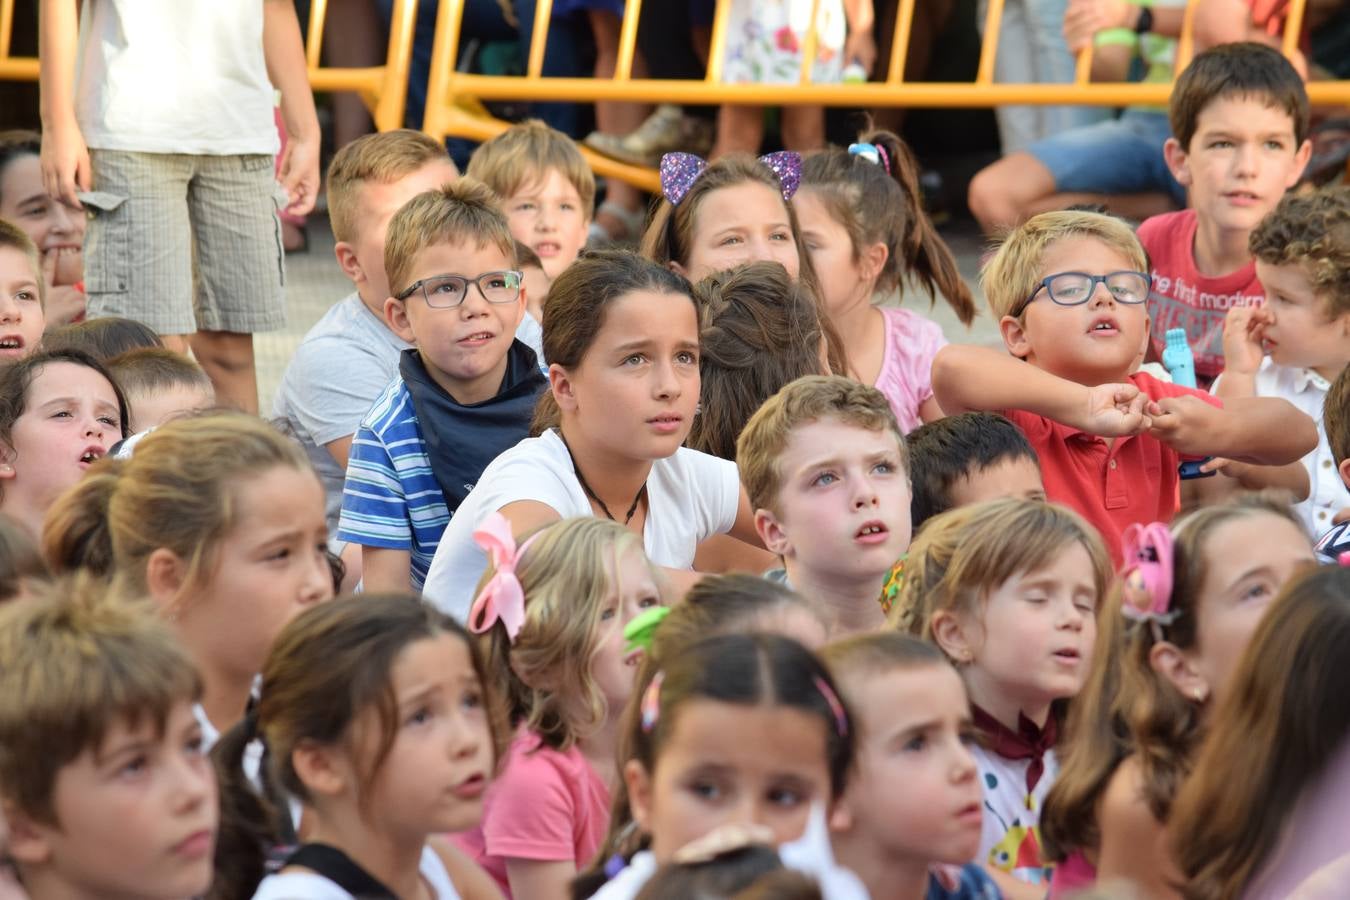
27	839
1178	161
560	382
772	533
6	463
841	819
322	769
347	261
953	636
873	260
1344	469
396	317
164	577
1300	163
677	268
1171	663
1015	337
639	785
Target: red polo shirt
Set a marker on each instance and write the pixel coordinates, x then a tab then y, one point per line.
1112	486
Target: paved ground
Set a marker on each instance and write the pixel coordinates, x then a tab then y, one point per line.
314	283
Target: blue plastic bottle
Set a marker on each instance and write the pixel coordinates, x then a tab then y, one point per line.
1180	364
1177	358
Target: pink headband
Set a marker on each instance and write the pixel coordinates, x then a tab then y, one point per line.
1147	576
502	599
679	171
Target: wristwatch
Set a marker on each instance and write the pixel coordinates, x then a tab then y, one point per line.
1144	23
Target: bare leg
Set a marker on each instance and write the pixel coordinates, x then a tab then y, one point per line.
352	38
615	117
1129	206
1002	193
803	128
740	129
227	357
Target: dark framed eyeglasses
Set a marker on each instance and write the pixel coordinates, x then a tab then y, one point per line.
1076	288
449	291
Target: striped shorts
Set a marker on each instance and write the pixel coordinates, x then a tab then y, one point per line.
185	242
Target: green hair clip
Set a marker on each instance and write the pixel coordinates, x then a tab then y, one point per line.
639	632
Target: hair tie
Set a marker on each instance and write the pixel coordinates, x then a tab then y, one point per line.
502	599
832	701
679	171
873	153
1344	559
650	709
641	629
1146	580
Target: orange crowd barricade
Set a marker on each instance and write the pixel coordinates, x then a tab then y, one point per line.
382	88
454	98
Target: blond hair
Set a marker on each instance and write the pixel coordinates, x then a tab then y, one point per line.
76	661
964	554
177	491
464	210
12	235
568	574
374	158
1313	233
150	370
1014	272
523	154
810	398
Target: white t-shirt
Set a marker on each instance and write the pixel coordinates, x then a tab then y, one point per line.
690	497
174	76
308	886
1307	391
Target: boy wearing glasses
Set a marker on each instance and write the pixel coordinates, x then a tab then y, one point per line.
465	391
1070	291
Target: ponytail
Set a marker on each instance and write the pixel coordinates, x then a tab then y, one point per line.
923	253
249	823
75	534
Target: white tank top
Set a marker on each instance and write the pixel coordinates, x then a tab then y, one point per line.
308	886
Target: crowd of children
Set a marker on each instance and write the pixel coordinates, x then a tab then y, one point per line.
693	571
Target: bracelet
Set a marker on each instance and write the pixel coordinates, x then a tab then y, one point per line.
1144	23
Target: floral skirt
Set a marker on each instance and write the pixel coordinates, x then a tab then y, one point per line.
765	40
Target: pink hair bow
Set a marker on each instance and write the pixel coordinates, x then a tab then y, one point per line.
502	599
1147	576
679	171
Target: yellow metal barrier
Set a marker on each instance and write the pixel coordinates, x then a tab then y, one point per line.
454	98
382	87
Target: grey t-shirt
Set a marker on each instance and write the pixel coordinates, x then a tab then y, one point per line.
341	366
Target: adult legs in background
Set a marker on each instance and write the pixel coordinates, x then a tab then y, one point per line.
352	38
621	213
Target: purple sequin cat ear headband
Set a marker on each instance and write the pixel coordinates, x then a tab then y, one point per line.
679	171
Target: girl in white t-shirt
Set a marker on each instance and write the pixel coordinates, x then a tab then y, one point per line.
373	714
621	335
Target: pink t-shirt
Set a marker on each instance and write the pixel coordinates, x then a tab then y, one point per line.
1183	298
906	376
546	805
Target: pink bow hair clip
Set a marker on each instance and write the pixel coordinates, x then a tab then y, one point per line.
502	599
1147	576
679	171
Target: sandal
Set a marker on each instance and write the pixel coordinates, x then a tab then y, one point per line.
632	223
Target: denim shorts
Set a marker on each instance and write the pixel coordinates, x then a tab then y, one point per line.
185	243
1119	156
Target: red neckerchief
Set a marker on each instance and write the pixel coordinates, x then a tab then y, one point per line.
1027	742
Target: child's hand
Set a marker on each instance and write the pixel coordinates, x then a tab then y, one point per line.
1084	18
1115	410
65	163
1187	424
1243	329
861	47
299	173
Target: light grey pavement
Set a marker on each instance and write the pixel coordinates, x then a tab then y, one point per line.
314	283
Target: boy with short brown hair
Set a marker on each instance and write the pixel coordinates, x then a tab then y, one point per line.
826	471
23	295
104	782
